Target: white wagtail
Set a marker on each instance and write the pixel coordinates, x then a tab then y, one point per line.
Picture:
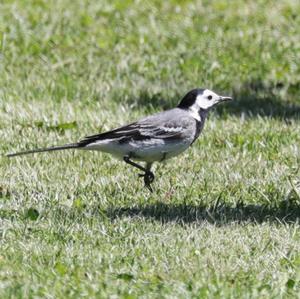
154	138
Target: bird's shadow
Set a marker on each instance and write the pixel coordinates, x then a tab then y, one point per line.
254	99
286	211
218	213
251	99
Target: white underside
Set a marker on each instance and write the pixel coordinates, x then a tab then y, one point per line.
147	150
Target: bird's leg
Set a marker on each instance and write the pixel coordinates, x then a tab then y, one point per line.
147	175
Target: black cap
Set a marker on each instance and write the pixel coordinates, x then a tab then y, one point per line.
189	99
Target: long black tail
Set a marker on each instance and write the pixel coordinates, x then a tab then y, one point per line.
48	149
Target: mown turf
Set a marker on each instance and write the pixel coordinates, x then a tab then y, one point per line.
223	221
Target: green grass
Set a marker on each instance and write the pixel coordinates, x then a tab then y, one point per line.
223	221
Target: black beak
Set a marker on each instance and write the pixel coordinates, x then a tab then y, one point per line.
224	99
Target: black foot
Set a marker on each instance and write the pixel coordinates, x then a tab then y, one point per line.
148	179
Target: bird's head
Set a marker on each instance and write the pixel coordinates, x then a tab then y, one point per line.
201	99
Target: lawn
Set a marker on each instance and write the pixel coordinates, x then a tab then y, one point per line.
223	220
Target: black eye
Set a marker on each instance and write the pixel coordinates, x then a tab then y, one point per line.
209	97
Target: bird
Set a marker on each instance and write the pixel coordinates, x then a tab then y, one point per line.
154	138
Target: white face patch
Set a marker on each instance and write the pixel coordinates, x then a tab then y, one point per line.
203	101
207	99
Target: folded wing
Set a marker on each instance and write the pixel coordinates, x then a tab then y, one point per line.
137	131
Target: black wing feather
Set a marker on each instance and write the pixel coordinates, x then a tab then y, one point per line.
134	131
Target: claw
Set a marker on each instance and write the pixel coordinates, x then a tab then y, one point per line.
148	179
149	187
149	176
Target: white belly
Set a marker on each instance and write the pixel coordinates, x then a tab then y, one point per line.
150	150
